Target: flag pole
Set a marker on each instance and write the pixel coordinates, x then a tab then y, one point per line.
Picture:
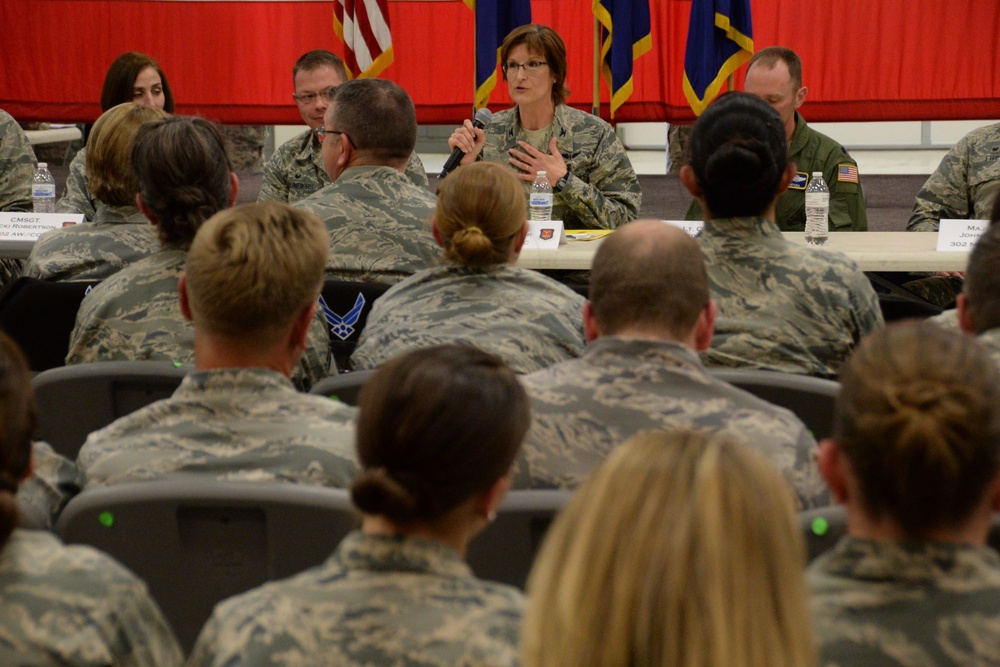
595	108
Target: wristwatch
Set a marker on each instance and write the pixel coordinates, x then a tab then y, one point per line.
561	183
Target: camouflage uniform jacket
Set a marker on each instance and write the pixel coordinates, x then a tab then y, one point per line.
75	606
77	198
378	225
378	600
53	482
528	319
989	338
583	408
884	604
231	424
295	171
965	183
813	151
601	191
17	166
782	307
93	251
135	315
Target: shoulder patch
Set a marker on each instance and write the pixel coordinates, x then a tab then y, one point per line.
847	173
800	181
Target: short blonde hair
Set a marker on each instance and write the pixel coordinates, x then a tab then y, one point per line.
681	549
480	209
252	269
110	176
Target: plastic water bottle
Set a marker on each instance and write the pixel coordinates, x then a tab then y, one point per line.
540	199
817	210
43	190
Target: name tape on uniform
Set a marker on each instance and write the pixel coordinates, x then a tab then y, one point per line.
959	235
544	235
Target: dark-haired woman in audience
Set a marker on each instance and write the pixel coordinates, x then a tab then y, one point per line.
915	459
782	307
680	550
593	182
478	296
132	77
119	234
438	431
184	178
65	605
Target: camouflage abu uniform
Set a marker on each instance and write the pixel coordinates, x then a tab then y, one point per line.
782	307
378	225
989	338
601	191
231	424
528	319
964	185
814	151
296	171
54	480
17	168
75	606
117	237
885	604
584	408
77	198
135	315
378	600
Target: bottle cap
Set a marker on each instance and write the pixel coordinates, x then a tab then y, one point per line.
43	165
541	173
817	174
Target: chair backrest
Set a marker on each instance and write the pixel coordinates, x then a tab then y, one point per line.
506	549
73	401
196	543
346	387
346	305
811	399
39	315
822	528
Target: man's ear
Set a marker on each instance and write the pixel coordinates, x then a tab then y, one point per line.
832	466
705	326
591	330
964	314
800	96
183	296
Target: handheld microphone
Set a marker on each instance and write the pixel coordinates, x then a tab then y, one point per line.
483	117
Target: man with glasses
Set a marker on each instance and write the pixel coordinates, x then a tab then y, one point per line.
296	168
375	216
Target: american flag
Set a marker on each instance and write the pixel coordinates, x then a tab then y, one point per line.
847	173
363	26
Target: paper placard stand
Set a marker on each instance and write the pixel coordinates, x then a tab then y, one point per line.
544	235
959	235
691	227
19	231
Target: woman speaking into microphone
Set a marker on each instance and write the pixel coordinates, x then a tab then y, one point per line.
593	182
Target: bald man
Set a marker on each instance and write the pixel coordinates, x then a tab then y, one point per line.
648	317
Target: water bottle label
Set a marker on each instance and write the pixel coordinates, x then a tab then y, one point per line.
43	189
815	199
540	199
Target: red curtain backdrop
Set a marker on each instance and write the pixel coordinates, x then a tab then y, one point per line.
231	61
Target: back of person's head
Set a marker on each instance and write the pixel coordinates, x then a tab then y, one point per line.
738	154
480	210
110	175
918	419
681	549
313	60
378	117
120	79
649	275
436	426
18	417
982	279
184	175
772	55
253	269
545	42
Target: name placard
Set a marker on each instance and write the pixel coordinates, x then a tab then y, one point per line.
691	227
19	231
544	235
960	235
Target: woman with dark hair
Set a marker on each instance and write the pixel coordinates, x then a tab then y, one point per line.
593	182
438	431
781	306
915	460
477	296
132	77
66	605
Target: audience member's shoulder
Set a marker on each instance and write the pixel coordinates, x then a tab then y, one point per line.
988	134
40	554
